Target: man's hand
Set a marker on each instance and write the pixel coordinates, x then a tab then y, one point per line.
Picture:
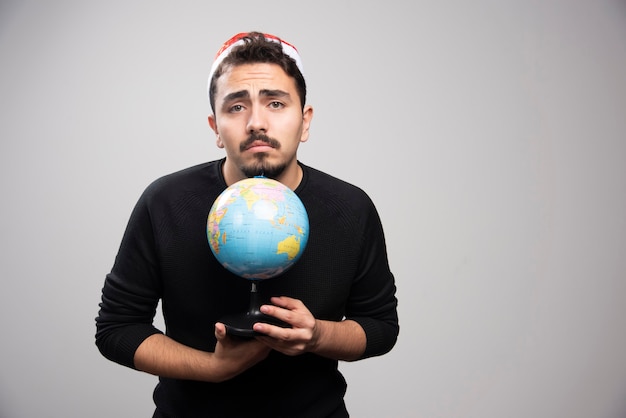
343	340
234	355
162	356
300	338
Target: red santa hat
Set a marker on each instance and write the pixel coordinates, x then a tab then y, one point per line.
236	40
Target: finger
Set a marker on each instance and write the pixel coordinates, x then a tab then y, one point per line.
286	341
287	302
220	331
280	313
268	330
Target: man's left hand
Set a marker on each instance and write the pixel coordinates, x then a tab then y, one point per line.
300	338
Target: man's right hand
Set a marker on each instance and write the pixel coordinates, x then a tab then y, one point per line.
235	355
162	356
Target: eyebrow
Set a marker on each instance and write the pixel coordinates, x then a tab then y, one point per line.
241	94
273	93
244	94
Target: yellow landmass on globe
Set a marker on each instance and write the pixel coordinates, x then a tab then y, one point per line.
289	246
250	197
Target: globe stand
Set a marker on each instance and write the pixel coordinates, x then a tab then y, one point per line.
241	324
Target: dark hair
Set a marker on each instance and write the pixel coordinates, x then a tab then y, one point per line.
257	49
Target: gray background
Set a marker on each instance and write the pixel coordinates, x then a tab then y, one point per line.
491	135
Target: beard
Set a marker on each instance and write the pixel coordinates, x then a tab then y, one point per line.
260	166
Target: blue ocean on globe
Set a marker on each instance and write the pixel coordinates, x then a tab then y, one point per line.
257	228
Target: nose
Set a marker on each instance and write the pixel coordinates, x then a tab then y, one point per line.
257	121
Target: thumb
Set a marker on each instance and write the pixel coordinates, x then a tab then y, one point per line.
220	331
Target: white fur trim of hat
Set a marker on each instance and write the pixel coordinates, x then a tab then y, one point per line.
236	40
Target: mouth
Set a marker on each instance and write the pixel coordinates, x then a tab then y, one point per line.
259	146
259	143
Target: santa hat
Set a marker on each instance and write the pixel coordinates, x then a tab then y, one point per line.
237	40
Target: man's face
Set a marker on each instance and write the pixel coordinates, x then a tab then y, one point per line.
259	121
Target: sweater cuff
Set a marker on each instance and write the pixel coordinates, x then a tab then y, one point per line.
381	337
127	342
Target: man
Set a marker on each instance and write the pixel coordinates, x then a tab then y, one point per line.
339	298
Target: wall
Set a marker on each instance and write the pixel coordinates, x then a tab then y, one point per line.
491	135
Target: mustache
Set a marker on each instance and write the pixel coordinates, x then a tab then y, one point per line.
259	138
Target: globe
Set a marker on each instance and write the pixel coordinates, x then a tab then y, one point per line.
257	228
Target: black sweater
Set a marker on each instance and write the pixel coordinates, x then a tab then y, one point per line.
164	254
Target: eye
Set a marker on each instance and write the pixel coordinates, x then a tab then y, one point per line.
235	109
276	105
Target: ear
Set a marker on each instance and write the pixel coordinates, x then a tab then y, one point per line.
213	125
307	116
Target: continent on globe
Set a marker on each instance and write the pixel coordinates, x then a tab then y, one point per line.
289	246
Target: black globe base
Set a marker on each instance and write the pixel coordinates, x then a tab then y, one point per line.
241	324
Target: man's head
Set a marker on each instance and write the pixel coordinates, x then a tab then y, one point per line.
256	47
257	95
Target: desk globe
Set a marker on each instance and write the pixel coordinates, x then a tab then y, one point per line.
257	229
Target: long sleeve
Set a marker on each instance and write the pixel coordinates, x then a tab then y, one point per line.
347	259
131	291
372	302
